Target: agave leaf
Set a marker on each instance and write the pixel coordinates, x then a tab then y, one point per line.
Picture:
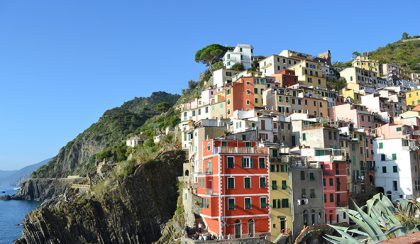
358	232
375	231
397	230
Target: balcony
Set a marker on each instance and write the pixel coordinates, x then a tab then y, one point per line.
238	150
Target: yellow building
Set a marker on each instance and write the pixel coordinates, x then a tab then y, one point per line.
413	98
309	73
364	62
280	198
260	85
352	91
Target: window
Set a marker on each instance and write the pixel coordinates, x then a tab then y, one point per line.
394	156
209	167
287	99
261	162
248	203
208	146
262	182
230	162
304	136
331	197
331	181
381	145
248	102
248	92
228	91
398	128
395	169
311	176
247	163
280	99
285	203
263	202
302	175
283	184
383	157
228	101
247	183
395	185
383	169
312	193
231	203
274	185
303	193
231	183
324	181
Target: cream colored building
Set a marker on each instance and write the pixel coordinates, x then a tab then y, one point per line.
364	62
364	78
273	64
309	73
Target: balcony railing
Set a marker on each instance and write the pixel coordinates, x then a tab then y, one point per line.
237	150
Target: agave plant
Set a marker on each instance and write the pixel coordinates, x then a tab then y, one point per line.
375	222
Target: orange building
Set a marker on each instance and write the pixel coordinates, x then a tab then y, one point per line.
240	95
286	78
234	188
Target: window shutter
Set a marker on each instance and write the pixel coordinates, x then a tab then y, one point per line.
252	162
242	162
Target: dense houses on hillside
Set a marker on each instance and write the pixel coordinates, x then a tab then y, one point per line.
273	149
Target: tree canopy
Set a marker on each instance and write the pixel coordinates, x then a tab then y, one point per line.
210	54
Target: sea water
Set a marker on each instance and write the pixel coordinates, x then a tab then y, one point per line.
12	214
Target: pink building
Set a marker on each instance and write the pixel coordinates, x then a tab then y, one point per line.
357	114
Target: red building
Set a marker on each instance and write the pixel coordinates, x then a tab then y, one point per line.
335	191
233	188
286	78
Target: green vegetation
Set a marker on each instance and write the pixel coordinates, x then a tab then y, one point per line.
377	221
238	67
337	84
78	156
210	54
405	53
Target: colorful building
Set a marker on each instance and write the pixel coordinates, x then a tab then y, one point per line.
310	74
413	98
240	95
364	62
233	188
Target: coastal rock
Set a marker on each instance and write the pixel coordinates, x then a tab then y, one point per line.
41	189
134	210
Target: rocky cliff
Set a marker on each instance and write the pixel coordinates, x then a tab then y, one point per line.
40	189
135	210
78	156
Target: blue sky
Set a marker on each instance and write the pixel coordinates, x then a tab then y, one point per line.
63	63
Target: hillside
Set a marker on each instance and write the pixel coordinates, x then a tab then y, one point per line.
78	156
404	53
16	177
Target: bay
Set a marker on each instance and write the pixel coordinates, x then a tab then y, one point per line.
12	214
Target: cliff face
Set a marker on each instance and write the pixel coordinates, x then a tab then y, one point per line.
40	189
134	211
78	156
